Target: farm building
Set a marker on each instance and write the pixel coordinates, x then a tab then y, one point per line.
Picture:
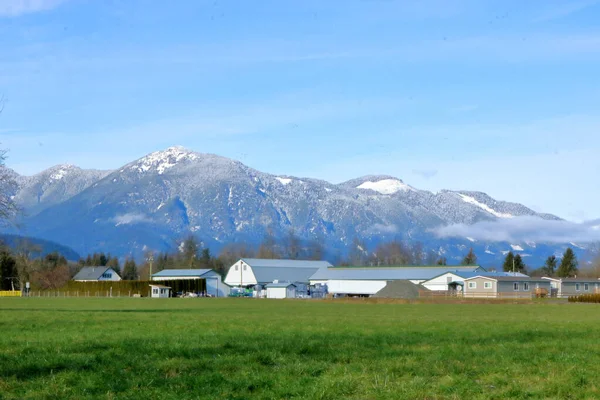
564	287
96	274
504	286
367	281
253	271
214	286
160	291
453	281
283	290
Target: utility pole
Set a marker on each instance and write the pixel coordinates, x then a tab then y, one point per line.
150	259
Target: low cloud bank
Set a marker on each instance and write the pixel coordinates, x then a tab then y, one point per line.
525	229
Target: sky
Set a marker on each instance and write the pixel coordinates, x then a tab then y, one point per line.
493	96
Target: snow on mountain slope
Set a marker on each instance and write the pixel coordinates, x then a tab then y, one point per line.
471	200
385	186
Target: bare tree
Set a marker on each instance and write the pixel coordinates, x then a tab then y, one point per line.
8	185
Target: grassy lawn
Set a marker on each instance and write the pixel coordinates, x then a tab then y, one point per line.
244	348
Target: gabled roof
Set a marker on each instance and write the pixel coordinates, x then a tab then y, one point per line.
388	273
91	273
181	272
505	278
286	274
280	285
280	263
472	274
574	280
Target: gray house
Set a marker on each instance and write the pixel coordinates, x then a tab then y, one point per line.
95	274
564	287
504	286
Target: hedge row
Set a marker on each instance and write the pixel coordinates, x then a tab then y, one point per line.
585	298
134	287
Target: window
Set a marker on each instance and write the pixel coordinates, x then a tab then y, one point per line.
107	275
472	285
516	286
237	268
155	291
586	287
487	285
163	291
525	286
577	287
245	266
448	279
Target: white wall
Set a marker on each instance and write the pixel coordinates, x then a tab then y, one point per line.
214	285
441	282
277	293
354	287
114	278
243	275
164	294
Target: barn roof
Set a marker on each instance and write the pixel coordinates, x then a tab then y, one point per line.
278	263
90	273
505	278
279	285
388	273
181	272
294	274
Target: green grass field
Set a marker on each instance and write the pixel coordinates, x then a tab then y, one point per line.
244	348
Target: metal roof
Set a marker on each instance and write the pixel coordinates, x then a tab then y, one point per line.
279	263
181	272
285	274
574	280
280	285
160	286
472	274
511	278
90	273
388	273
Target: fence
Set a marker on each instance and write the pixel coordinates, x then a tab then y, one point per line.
10	293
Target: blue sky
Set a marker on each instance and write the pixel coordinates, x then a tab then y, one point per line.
497	96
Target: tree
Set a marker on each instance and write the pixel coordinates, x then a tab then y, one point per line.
130	270
268	247
113	262
8	187
189	251
442	261
549	267
519	264
508	264
568	265
292	245
470	258
8	270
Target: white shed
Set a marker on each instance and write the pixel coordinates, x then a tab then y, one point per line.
160	291
281	290
214	286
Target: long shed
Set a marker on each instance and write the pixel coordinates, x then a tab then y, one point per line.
214	286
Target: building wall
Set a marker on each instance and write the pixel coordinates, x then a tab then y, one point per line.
114	276
277	293
354	287
239	274
163	294
570	288
441	282
480	289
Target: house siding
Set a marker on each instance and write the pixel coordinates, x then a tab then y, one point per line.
480	290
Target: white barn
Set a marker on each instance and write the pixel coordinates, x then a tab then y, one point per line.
214	286
283	290
249	272
367	281
96	274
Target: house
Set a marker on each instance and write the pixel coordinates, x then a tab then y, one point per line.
160	291
281	290
95	274
214	285
453	281
249	272
367	281
565	287
495	286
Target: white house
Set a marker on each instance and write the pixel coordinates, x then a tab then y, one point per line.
283	290
454	280
95	274
160	291
367	281
214	286
253	271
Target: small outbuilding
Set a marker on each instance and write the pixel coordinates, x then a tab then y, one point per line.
281	290
160	291
214	286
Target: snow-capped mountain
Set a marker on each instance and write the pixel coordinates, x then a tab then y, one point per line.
53	186
160	198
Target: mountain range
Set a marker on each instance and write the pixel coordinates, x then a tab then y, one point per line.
155	201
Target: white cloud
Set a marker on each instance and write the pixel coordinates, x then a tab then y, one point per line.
14	8
522	229
130	218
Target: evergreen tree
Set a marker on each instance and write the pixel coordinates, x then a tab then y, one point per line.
8	270
520	265
550	266
470	258
113	262
189	251
130	270
508	264
442	261
205	258
568	265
